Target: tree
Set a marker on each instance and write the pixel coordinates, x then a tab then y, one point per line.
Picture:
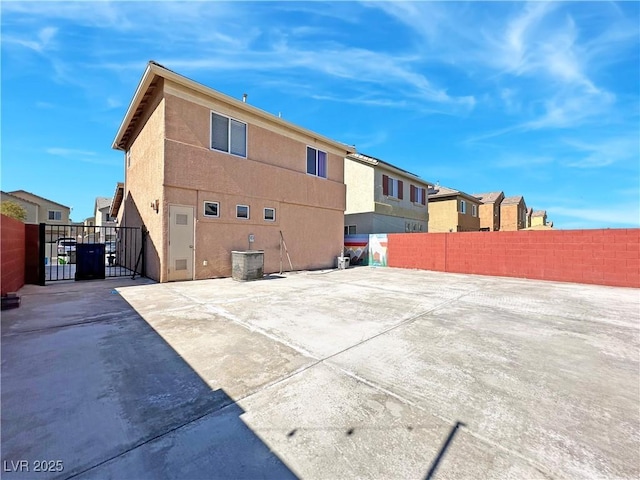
13	210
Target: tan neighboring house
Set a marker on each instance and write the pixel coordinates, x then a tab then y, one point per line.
453	211
103	218
538	218
489	210
513	213
39	209
43	210
206	174
382	198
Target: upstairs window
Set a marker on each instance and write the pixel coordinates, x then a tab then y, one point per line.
474	210
228	135
316	162
418	195
349	229
392	187
55	215
463	206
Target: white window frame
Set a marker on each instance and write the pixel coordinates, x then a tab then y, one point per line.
326	167
420	194
228	150
265	214
59	212
128	157
248	212
204	209
463	207
474	210
393	187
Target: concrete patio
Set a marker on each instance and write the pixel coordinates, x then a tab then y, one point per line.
362	373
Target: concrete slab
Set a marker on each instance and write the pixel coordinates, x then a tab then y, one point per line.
361	373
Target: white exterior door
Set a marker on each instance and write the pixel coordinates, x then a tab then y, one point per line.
180	243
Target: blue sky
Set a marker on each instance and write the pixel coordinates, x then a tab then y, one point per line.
535	99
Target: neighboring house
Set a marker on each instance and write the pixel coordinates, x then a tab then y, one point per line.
382	198
43	210
89	231
206	174
513	213
489	210
529	213
452	211
104	222
39	209
538	217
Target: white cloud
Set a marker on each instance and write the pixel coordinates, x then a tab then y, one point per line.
604	152
78	155
621	214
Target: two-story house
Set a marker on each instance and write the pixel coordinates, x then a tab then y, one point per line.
513	213
489	210
103	221
383	198
538	218
43	210
207	174
452	211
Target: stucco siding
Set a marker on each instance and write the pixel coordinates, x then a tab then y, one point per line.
360	182
144	185
443	215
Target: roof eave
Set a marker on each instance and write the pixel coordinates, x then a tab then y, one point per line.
154	70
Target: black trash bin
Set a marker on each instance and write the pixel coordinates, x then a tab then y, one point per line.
90	261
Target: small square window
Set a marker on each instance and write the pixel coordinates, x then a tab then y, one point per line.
242	211
55	215
349	229
270	214
211	209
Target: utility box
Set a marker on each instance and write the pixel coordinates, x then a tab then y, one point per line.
247	265
90	261
343	262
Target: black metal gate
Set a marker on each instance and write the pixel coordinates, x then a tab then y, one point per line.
80	252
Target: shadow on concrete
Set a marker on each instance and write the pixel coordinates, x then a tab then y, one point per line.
112	399
443	450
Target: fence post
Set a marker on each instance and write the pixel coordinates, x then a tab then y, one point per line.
143	269
41	254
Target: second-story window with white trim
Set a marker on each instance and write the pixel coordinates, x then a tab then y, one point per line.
316	162
228	135
55	215
474	210
463	206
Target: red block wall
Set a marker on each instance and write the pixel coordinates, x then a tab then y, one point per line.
605	257
11	254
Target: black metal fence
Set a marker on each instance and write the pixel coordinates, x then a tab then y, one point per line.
121	252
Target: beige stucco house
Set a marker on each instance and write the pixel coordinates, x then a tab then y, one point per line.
538	218
206	173
39	209
452	211
489	210
513	213
103	221
383	198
